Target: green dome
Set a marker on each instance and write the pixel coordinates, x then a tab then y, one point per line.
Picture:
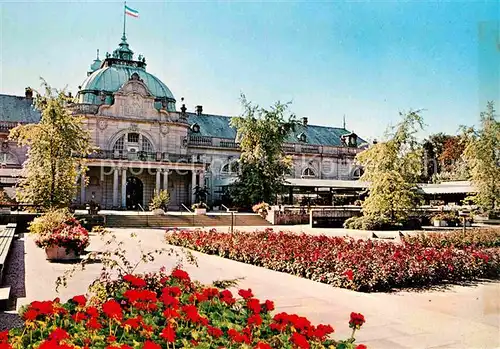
114	72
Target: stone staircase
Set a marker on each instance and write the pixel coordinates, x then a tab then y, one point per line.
183	220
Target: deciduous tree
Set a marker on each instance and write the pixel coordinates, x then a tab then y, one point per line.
482	153
393	168
57	146
263	164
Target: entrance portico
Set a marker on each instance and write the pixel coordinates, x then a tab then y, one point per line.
132	184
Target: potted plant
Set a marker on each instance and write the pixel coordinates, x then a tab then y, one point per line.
60	234
159	202
439	220
261	208
93	207
200	208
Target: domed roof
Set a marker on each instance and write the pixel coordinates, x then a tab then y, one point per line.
116	70
112	78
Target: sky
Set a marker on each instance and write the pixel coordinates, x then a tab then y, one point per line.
365	60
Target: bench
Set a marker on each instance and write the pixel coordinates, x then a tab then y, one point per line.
6	237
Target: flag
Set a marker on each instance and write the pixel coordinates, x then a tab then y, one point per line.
131	12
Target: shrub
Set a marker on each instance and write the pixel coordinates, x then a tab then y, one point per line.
160	200
49	221
484	237
157	311
451	218
364	265
367	223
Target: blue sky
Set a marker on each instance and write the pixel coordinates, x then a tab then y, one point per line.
364	60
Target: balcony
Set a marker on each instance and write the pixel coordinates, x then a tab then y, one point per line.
204	141
143	156
80	109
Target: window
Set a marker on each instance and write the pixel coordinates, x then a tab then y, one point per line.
358	172
7	158
308	172
231	167
133	138
146	145
119	144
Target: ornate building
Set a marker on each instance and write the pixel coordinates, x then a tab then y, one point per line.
146	143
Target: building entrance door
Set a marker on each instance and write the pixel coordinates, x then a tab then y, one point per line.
134	193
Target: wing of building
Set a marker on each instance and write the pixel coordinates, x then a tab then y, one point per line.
146	143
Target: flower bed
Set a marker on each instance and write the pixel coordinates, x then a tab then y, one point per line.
364	265
157	311
484	237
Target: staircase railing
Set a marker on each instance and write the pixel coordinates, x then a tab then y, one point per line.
232	217
189	211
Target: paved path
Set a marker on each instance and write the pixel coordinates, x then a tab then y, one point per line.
458	317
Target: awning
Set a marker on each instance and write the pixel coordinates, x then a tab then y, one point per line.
459	187
325	183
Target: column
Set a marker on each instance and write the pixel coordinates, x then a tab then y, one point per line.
193	186
124	188
158	173
82	188
115	187
165	179
202	178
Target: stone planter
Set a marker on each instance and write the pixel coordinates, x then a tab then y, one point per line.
58	253
200	211
158	211
440	223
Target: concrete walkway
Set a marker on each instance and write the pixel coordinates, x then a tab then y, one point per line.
452	317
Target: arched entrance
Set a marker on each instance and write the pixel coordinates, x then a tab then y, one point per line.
134	193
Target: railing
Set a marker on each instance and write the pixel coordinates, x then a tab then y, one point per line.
200	140
187	209
84	108
310	149
229	144
7	125
143	156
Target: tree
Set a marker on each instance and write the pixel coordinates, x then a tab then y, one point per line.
263	164
433	148
57	146
393	169
482	153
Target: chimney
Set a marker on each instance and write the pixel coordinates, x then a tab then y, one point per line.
28	93
304	121
199	109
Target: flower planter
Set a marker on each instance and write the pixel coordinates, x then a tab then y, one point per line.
440	223
60	253
200	211
263	213
158	211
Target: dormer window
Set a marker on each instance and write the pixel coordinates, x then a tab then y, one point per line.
195	128
302	137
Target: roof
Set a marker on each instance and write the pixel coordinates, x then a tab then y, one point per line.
218	126
112	78
17	109
458	187
326	183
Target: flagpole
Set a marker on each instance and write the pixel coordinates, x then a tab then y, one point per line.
124	17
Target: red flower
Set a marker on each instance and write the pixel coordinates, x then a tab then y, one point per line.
4	336
58	335
111	339
134	280
356	321
5	346
93	324
254	320
168	334
180	274
151	345
361	346
112	310
92	312
261	345
80	300
269	305
254	305
299	340
349	273
246	294
227	297
214	331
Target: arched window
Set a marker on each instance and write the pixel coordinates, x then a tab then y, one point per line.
133	140
231	167
7	158
358	172
308	172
